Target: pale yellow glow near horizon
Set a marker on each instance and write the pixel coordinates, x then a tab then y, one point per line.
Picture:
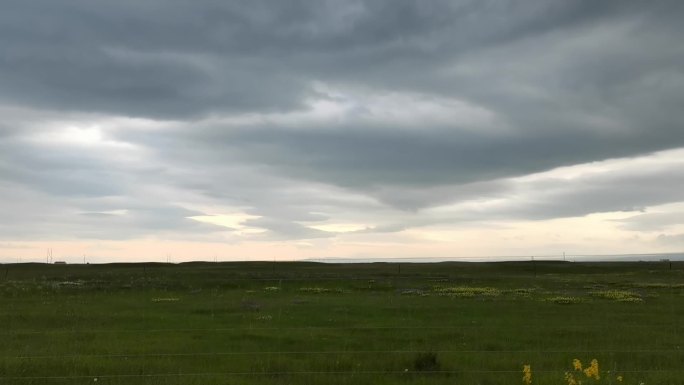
339	227
246	231
595	233
592	234
233	221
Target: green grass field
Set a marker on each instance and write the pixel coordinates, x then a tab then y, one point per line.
309	323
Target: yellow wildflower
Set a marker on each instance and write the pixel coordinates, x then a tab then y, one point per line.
577	364
527	374
593	370
570	378
619	378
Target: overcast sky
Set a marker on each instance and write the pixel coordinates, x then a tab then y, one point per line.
137	130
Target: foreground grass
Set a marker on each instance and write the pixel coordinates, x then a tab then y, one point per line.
306	323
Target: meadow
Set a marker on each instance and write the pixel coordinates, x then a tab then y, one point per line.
312	323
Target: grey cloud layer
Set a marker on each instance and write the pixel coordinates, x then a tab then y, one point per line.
187	57
30	215
653	221
234	85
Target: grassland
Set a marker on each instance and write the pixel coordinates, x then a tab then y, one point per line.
308	323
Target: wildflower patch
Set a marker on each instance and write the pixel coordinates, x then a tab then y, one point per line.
166	299
618	295
321	290
467	291
592	371
314	290
272	288
565	300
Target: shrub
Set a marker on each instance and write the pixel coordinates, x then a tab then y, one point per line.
426	362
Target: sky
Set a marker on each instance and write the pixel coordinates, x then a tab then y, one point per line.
258	130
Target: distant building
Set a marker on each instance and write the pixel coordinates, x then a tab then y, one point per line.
60	263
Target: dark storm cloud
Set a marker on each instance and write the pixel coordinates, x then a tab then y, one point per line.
183	58
573	82
358	158
408	170
490	90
